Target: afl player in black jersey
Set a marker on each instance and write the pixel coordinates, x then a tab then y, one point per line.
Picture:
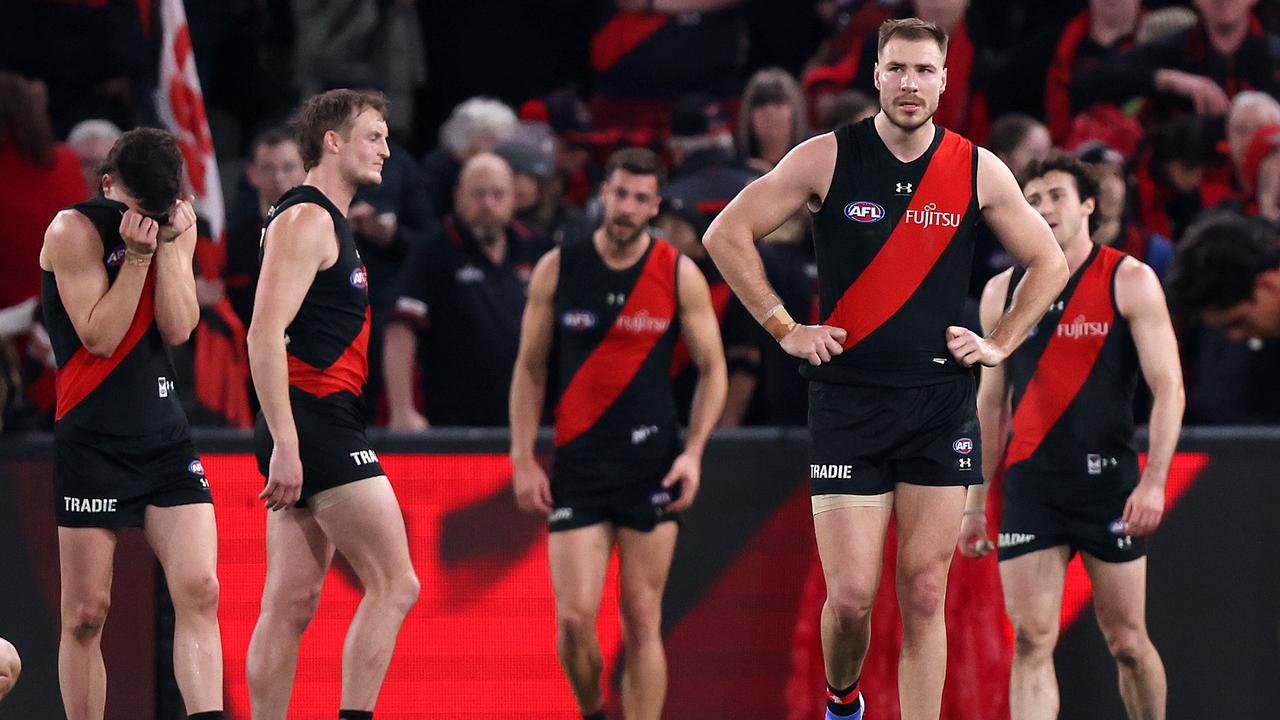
118	289
891	402
613	307
308	350
1063	401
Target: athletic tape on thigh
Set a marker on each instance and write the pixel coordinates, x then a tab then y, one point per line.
342	493
825	503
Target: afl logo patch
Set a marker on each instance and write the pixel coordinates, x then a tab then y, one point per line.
863	211
195	468
116	258
578	320
359	278
964	446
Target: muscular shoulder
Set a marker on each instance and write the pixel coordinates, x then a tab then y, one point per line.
546	274
303	232
996	183
71	236
1137	287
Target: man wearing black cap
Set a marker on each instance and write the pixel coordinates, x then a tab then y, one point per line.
540	204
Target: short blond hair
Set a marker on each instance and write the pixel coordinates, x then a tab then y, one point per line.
911	29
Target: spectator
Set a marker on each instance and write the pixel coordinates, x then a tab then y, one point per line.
843	108
475	126
91	140
647	53
10	667
540	203
38	177
1199	69
1112	223
771	119
1253	143
463	291
1018	140
1101	32
275	166
570	120
1178	175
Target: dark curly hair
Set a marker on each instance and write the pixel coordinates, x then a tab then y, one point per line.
637	161
1218	260
148	163
1086	183
332	110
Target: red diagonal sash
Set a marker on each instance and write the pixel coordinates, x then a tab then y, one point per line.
622	34
914	246
1066	362
611	366
83	373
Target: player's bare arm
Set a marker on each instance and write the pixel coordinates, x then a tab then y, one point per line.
801	179
529	386
1141	301
177	310
101	311
994	414
1028	238
298	244
701	332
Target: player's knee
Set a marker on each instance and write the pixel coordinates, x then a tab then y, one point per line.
641	623
921	595
850	604
294	610
1034	639
84	618
575	625
1128	646
198	593
10	667
403	592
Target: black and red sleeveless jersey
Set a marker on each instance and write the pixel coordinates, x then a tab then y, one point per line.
133	392
615	334
328	340
1074	379
894	246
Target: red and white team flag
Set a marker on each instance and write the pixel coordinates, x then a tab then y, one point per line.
180	105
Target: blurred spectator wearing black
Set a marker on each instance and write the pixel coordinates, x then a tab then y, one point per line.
1091	38
91	140
1253	143
275	166
475	126
1178	174
963	107
1018	140
540	203
462	292
645	54
568	117
1113	223
1226	273
1199	69
771	119
843	108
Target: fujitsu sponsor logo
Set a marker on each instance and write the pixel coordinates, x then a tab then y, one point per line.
931	216
1082	327
642	323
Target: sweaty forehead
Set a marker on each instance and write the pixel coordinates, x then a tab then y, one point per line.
912	52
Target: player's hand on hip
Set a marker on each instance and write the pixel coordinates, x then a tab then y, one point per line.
815	343
974	542
532	488
686	472
969	348
139	232
284	479
1144	509
181	217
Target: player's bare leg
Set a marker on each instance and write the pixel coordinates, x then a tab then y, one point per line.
1033	599
85	556
645	560
579	560
1119	600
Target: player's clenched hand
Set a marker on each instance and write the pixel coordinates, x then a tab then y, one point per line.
139	232
181	217
686	472
815	343
974	542
969	349
284	479
532	489
1144	509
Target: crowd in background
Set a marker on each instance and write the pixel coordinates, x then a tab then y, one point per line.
503	111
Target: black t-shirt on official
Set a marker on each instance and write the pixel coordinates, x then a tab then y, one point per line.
468	310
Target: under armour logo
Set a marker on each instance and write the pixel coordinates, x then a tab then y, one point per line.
965	463
615	299
904	188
